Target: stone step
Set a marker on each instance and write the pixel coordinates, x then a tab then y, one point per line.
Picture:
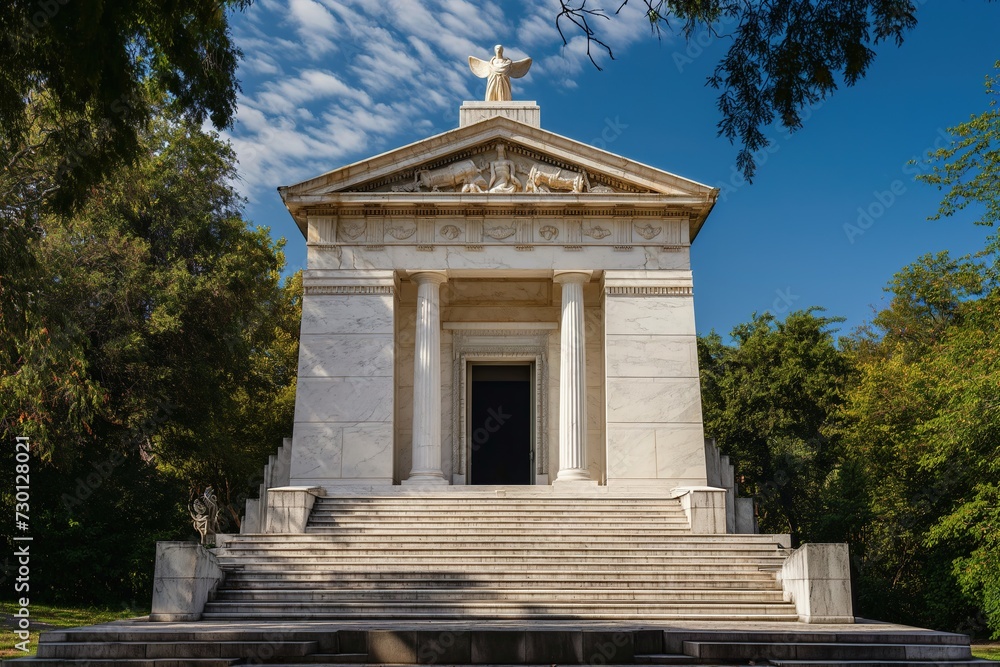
328	659
525	515
175	649
665	596
679	659
336	542
860	634
653	607
280	581
726	651
126	662
490	501
883	663
548	613
500	523
497	548
438	567
505	557
339	533
336	528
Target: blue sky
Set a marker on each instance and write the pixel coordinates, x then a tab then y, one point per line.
329	82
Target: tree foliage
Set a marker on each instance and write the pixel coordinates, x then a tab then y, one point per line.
158	357
970	166
75	76
769	400
77	84
924	417
783	55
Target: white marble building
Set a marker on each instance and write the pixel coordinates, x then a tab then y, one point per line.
498	379
498	262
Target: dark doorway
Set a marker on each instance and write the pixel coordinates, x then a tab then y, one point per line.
500	424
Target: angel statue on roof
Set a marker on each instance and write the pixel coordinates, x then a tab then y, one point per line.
498	72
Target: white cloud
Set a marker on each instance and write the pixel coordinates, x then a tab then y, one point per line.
334	81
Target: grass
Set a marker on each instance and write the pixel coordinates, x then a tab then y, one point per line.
987	651
47	617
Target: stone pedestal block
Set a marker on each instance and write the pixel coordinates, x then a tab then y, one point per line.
818	579
705	507
184	576
289	507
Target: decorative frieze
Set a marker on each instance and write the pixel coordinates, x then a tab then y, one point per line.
317	290
523	231
650	290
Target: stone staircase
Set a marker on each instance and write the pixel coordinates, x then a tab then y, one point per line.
453	556
463	579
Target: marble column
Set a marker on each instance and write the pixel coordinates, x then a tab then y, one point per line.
572	380
426	464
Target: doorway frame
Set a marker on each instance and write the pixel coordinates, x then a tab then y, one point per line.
503	343
532	390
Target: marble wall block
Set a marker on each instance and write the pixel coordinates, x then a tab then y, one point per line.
317	453
367	451
818	579
185	575
653	395
346	391
650	315
344	399
347	314
652	356
340	355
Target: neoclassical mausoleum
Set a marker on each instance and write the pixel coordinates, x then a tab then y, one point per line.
498	304
498	453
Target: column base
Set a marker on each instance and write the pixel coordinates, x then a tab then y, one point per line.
575	485
424	480
574	475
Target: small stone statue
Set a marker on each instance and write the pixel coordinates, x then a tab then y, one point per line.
204	511
498	72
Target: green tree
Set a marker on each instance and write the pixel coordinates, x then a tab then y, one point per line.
159	358
74	76
970	165
75	82
769	400
922	424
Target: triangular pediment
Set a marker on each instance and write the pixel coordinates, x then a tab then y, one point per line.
496	159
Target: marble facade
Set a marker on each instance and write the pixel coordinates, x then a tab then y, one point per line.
431	257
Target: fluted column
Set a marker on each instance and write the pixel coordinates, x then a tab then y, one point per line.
572	379
426	464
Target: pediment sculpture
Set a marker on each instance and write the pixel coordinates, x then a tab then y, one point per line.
500	173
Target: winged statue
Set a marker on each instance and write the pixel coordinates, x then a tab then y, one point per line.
498	72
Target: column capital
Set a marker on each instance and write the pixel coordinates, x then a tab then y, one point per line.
574	276
425	277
